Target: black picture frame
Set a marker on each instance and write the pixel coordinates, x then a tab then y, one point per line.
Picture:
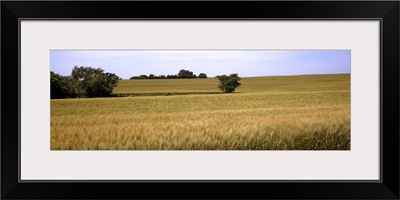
386	11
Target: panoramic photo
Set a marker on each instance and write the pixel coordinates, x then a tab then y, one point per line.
200	99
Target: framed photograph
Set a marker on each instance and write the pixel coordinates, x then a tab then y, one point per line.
300	98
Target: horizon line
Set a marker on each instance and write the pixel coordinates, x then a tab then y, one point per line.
253	76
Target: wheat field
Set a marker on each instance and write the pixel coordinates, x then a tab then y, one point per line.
310	112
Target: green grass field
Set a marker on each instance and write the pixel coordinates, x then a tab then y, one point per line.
252	84
310	112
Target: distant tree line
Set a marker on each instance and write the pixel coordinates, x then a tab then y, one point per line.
83	82
181	74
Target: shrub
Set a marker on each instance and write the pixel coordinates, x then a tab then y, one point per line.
229	83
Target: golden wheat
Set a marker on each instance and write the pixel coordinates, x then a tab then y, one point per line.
260	120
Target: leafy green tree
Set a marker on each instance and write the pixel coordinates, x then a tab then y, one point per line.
202	75
186	74
60	86
82	76
143	76
229	83
93	82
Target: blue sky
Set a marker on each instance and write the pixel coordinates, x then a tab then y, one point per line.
247	63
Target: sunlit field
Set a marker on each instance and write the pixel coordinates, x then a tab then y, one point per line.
310	112
252	84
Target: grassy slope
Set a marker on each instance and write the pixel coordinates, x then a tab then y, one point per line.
253	84
299	112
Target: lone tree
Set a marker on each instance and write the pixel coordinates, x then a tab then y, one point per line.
229	83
